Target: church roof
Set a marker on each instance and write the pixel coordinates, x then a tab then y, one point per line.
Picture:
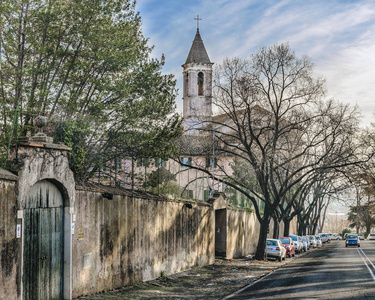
195	145
198	53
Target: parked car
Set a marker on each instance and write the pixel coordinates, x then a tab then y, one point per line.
371	236
275	249
318	241
324	237
289	246
297	241
313	242
361	236
333	236
352	240
306	243
339	237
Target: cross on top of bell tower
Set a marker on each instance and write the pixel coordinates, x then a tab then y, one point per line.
198	53
198	19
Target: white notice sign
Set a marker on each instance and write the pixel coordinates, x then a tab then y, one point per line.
72	228
18	235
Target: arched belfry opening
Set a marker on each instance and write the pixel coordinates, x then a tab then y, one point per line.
200	83
186	84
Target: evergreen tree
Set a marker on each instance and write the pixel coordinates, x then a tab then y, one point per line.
86	65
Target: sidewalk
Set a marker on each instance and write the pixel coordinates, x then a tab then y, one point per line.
209	282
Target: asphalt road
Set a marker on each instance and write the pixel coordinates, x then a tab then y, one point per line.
331	272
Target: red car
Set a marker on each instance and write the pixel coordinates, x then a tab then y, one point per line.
289	246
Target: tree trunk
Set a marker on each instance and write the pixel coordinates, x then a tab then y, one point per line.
276	228
263	231
368	229
299	226
286	226
315	226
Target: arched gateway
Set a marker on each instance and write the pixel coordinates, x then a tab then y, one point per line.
45	202
43	259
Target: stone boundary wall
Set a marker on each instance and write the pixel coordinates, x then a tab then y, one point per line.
242	232
10	246
132	238
135	237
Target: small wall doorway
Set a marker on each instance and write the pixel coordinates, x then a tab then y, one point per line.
43	258
221	232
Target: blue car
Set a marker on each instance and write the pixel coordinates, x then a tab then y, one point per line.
352	240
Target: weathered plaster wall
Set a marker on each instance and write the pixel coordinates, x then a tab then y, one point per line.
38	163
242	232
10	247
131	239
293	226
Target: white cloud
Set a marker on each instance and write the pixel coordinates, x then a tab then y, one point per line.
338	35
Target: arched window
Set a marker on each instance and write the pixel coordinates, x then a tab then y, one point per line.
186	85
200	84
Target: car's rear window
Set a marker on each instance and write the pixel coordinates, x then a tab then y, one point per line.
351	236
271	243
285	241
294	237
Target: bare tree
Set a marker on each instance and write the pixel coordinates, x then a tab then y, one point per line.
274	122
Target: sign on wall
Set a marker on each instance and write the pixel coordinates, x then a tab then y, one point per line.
18	231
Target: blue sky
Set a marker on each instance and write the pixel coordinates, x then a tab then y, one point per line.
338	36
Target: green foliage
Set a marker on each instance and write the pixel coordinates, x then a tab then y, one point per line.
169	188
160	176
162	181
361	217
346	230
73	133
86	60
249	209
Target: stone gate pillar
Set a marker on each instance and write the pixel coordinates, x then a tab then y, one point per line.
37	159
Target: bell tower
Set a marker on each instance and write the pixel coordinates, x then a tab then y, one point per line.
197	85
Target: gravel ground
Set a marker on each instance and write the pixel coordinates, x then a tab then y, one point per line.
215	281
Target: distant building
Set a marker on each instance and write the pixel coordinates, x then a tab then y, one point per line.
197	146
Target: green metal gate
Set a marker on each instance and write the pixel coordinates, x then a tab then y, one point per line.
43	243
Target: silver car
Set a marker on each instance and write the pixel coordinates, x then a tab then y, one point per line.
275	249
313	242
298	242
306	243
318	241
324	237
